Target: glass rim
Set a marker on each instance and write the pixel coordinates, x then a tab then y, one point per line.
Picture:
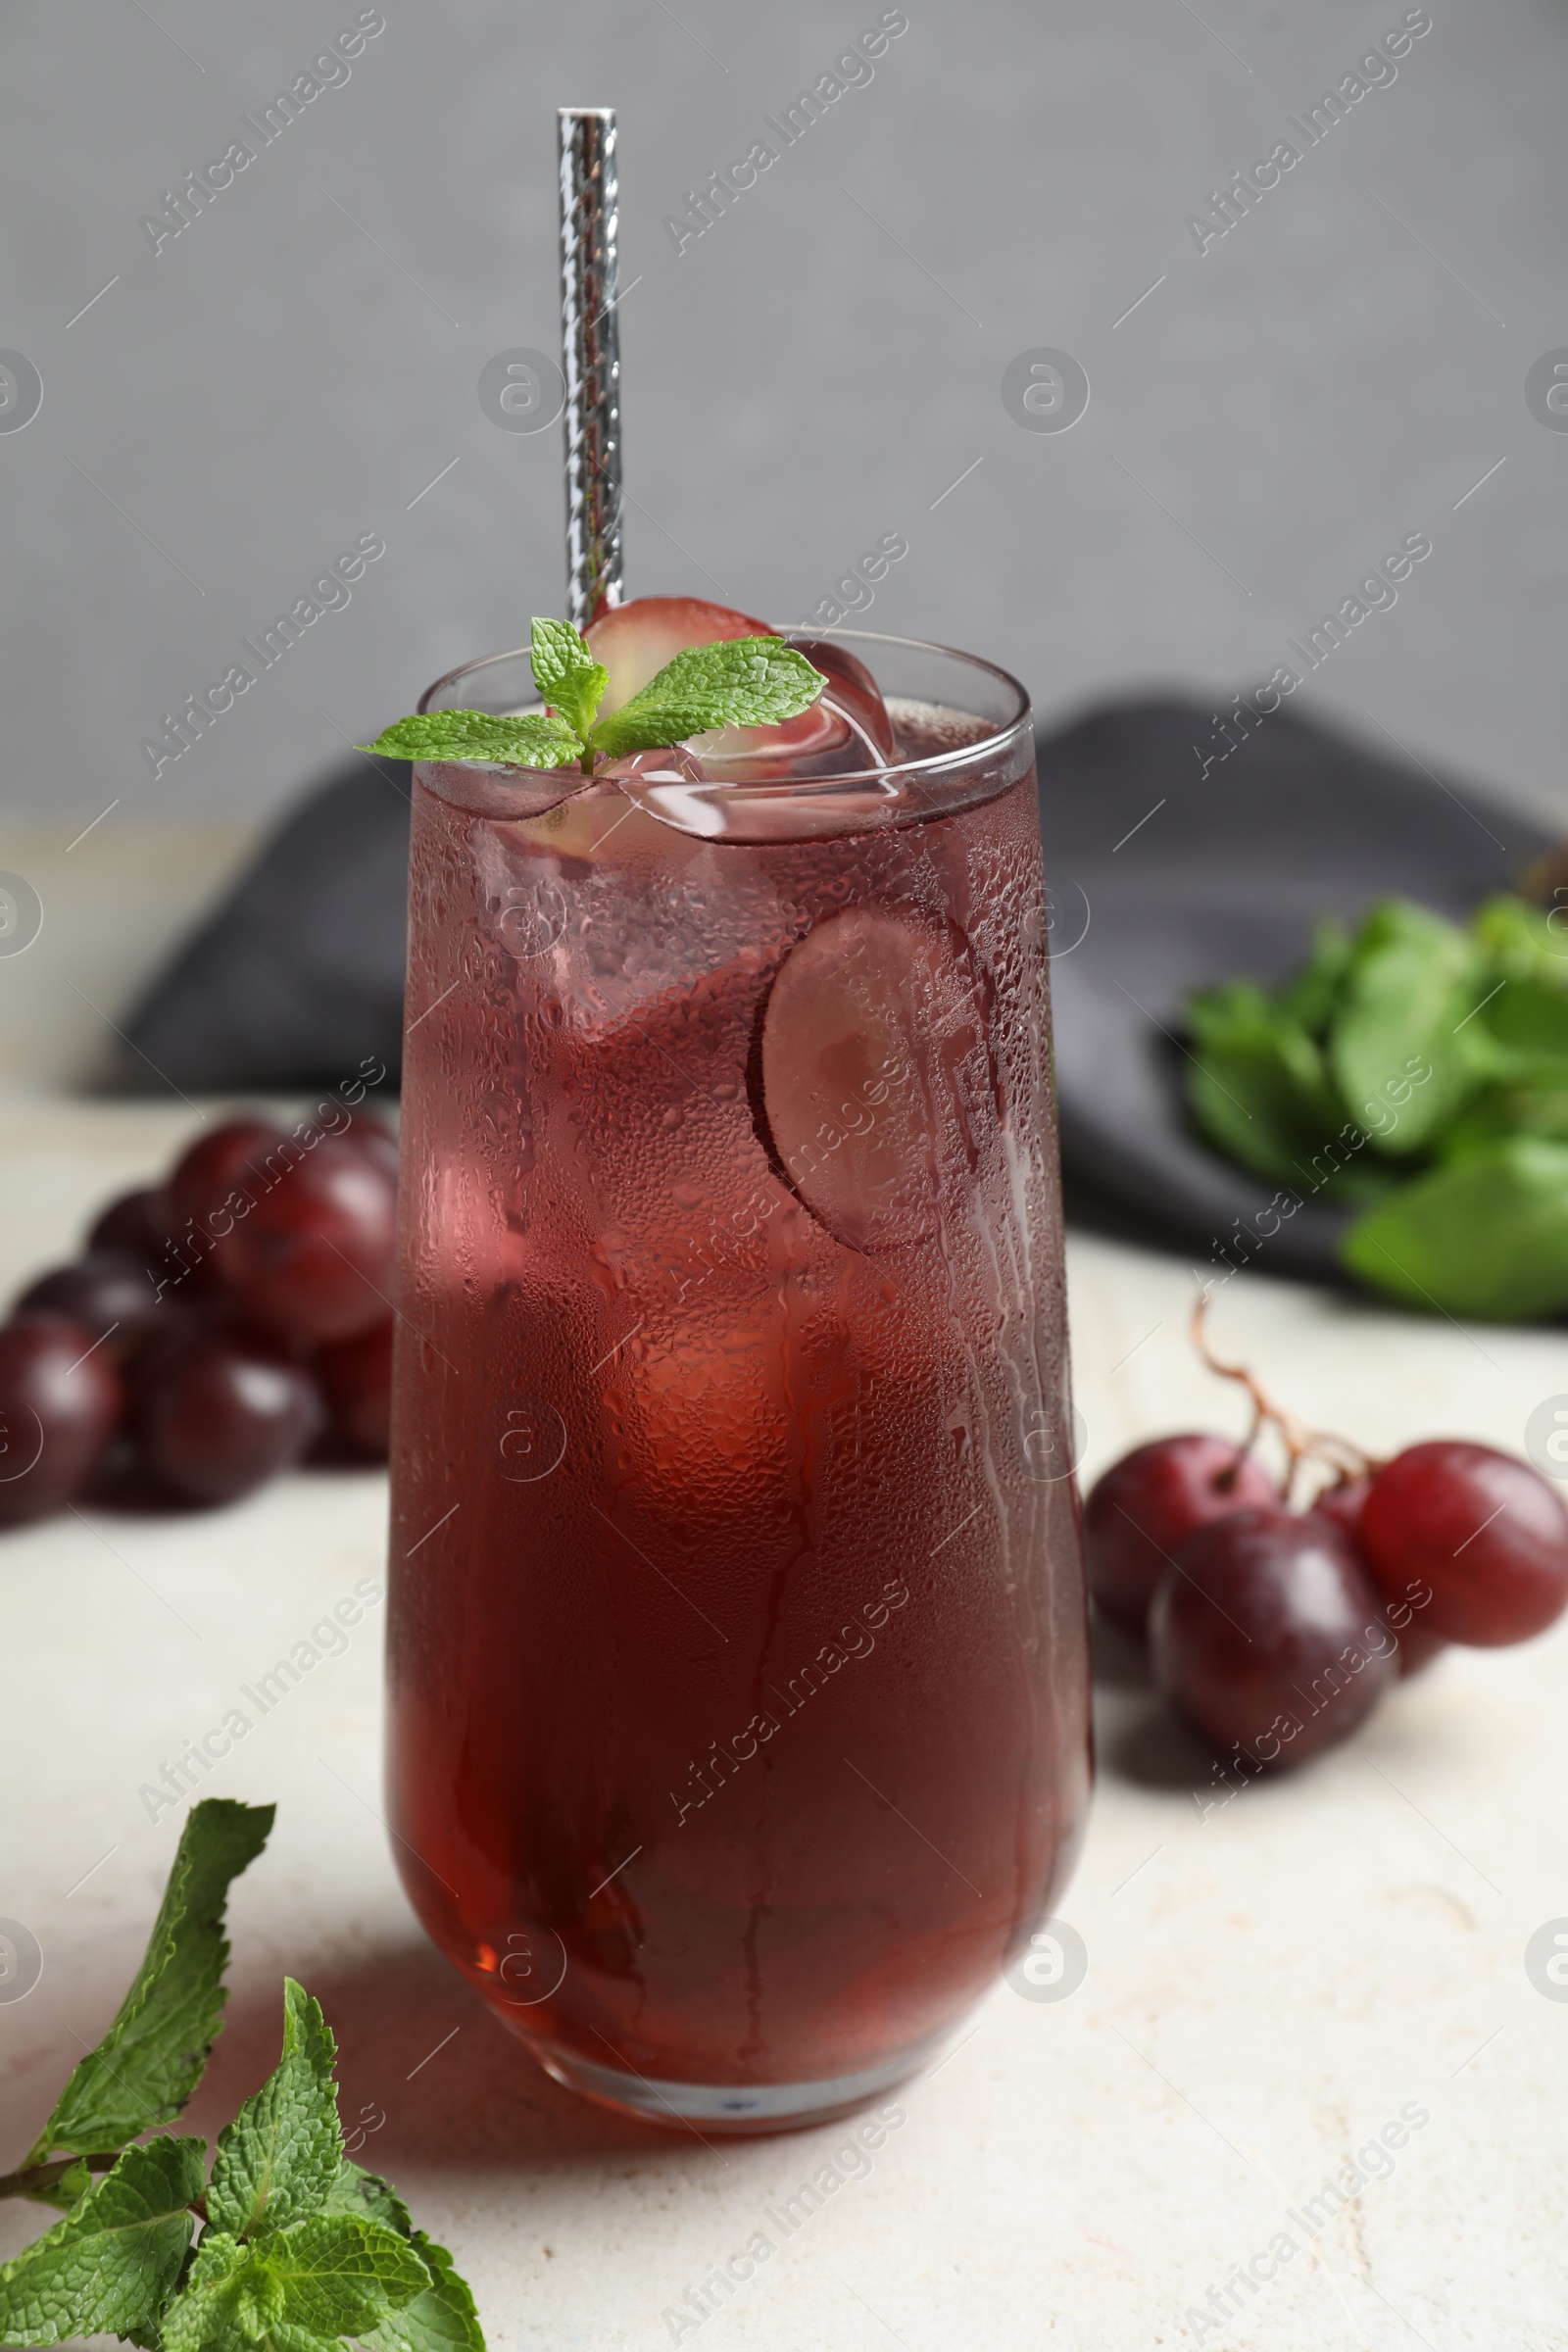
996	741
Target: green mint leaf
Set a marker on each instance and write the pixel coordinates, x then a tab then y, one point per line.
325	2278
1256	1085
740	682
1487	1237
207	2310
66	2189
1525	1018
111	2264
1309	997
368	2196
153	2055
565	672
441	2320
1524	942
1411	983
279	2159
339	2276
212	2325
215	2311
1536	1107
1527	986
480	738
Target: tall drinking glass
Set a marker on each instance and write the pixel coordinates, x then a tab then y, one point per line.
738	1659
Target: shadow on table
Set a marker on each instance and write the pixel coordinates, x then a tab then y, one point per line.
1155	1749
427	2076
1137	1735
1116	1660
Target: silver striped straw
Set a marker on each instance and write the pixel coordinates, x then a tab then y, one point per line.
590	337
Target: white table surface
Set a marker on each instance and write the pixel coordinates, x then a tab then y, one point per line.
1267	1987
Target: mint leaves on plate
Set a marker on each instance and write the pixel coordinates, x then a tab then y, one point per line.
739	682
1418	1071
299	2249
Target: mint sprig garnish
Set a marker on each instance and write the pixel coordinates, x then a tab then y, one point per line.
153	2055
321	2279
480	736
565	673
300	2250
278	2160
113	2263
739	682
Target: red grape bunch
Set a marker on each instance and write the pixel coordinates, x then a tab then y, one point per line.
216	1328
1273	1631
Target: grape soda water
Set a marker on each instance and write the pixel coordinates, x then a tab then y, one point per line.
738	1654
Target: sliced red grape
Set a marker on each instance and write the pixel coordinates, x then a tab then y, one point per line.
60	1402
636	640
108	1293
1483	1530
218	1415
851	685
845	731
1267	1636
1147	1505
311	1260
356	1377
877	1083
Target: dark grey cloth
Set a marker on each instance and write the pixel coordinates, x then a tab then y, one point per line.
1162	875
298	979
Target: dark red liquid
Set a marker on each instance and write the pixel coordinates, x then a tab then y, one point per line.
737	1646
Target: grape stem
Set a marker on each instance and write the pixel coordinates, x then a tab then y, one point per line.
1301	1443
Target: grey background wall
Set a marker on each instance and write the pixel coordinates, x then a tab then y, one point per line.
815	371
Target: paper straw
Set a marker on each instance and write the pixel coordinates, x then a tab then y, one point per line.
590	360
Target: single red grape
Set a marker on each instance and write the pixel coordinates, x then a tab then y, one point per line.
356	1377
209	1186
108	1293
1418	1646
1344	1502
310	1260
135	1225
217	1413
1482	1530
231	1156
60	1400
1146	1504
1268	1634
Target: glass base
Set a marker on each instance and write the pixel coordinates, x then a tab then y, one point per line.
734	2108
